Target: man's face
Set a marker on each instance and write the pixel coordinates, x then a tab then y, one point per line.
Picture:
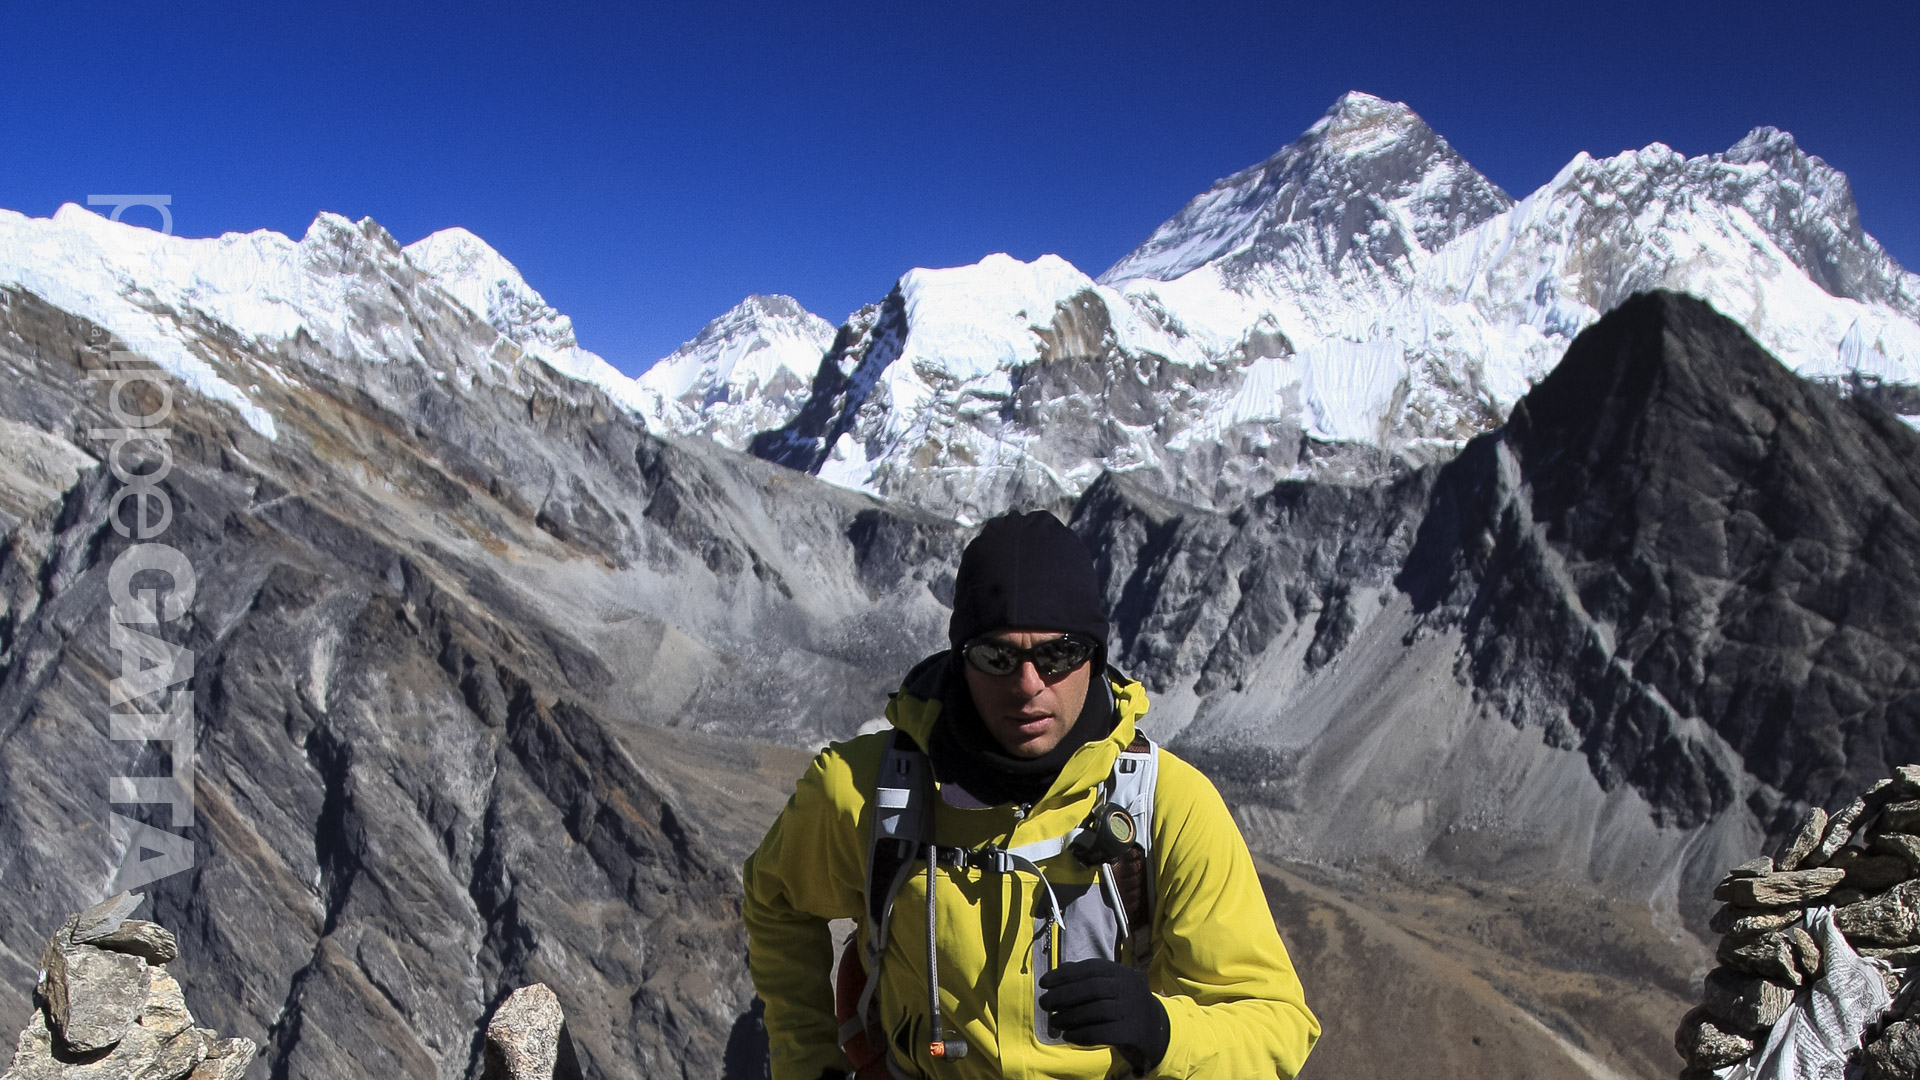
1026	712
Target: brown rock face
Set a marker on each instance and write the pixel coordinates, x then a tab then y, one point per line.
1896	1054
1872	873
1745	922
1839	831
1903	846
1901	817
227	1059
135	937
1803	843
1806	952
1767	955
1889	920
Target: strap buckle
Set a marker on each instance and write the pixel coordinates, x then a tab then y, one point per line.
991	859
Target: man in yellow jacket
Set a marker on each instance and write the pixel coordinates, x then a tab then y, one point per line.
1023	725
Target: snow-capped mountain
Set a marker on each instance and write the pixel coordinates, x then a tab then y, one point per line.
1357	197
1362	296
747	371
344	294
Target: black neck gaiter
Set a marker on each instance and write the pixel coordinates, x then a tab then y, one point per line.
965	753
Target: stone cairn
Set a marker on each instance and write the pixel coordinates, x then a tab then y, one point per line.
106	1009
1864	861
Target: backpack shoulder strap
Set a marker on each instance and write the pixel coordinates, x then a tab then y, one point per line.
1135	773
902	822
902	819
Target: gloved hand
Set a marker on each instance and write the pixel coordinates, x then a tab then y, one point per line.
1102	1003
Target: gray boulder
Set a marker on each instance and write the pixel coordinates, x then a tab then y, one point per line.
527	1038
91	996
1767	955
1707	1045
1804	841
1791	889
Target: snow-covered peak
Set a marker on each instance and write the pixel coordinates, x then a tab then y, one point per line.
1765	143
1769	198
1365	287
1359	124
969	321
161	295
750	345
479	277
745	372
1369	183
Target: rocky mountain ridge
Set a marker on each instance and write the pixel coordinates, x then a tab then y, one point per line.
455	631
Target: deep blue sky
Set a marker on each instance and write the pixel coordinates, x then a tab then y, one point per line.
646	167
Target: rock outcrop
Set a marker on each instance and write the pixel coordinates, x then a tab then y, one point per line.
106	1008
1683	577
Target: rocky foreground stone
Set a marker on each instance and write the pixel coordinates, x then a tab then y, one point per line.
106	1008
1863	861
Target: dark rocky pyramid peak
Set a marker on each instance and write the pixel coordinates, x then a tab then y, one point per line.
1665	382
1673	530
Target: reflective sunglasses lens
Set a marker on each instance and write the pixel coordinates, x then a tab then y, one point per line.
1060	656
993	658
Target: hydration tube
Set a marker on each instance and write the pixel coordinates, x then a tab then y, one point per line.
940	1047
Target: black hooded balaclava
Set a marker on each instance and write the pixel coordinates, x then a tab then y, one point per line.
1025	572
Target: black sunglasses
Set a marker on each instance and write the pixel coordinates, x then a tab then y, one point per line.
1051	658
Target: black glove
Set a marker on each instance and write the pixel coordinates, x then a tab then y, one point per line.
1101	1003
833	1074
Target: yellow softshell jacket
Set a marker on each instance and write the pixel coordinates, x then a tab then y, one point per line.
1234	1005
